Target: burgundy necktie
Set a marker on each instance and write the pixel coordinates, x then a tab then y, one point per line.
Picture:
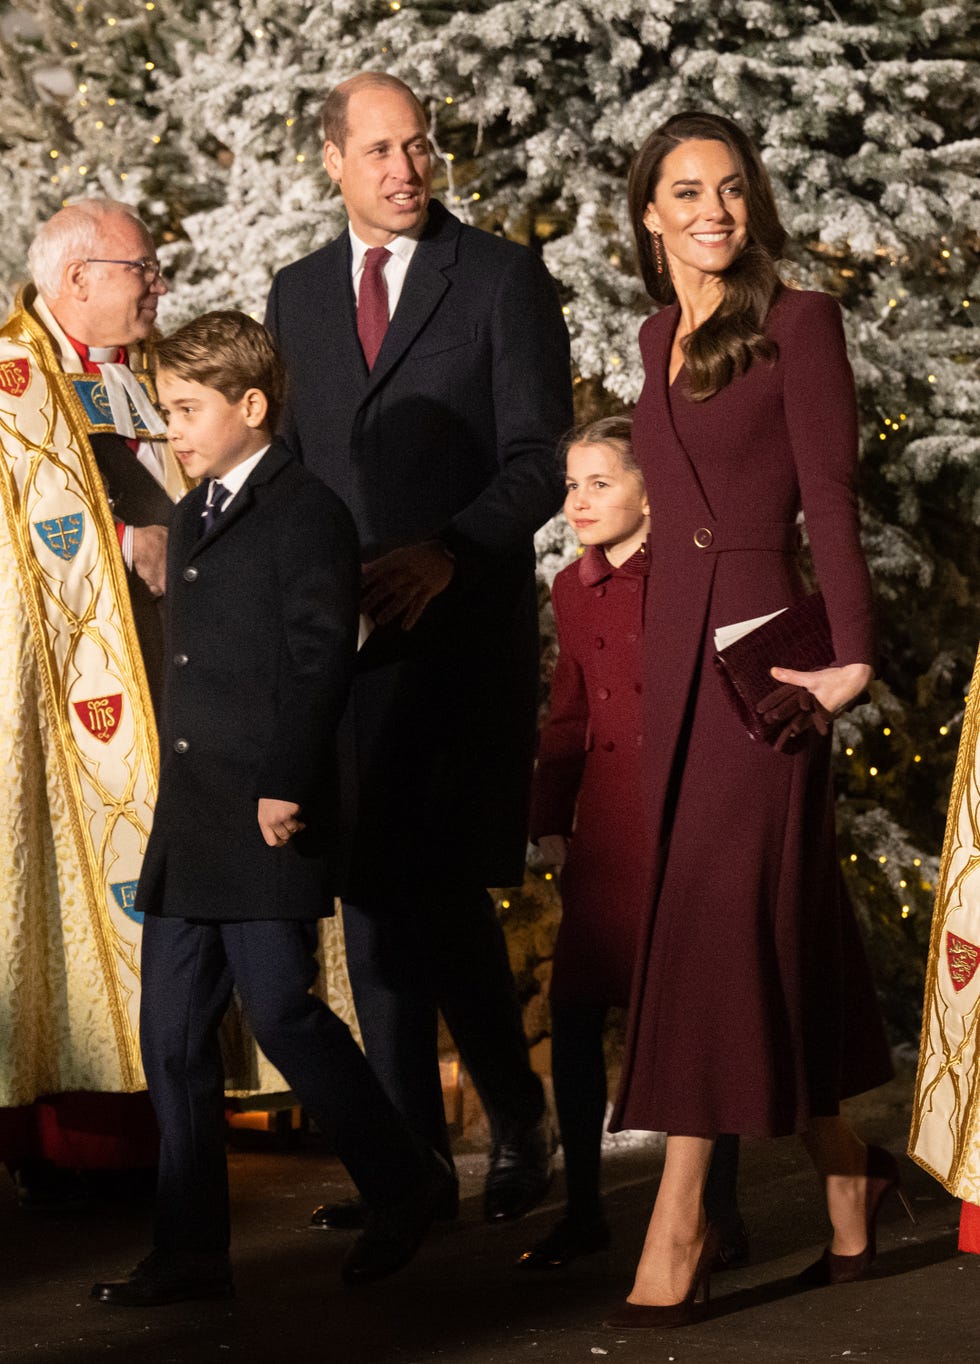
372	303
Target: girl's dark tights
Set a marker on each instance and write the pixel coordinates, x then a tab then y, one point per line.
578	1068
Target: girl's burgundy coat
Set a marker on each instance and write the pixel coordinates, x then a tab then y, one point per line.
752	1008
589	770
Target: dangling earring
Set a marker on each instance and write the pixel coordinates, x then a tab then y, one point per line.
658	251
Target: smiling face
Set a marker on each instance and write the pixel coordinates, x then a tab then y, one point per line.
699	209
209	434
606	504
113	305
385	169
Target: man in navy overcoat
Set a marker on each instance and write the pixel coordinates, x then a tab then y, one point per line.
429	386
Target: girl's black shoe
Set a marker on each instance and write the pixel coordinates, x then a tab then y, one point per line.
569	1239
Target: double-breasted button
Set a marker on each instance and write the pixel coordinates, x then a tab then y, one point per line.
181	746
181	660
609	745
603	693
190	574
703	537
600	643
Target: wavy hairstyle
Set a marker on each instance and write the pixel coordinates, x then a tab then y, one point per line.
733	336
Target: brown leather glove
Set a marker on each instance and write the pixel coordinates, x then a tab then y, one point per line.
795	710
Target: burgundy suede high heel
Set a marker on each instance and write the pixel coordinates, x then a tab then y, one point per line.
883	1177
692	1306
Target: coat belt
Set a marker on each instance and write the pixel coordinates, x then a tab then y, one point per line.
781	537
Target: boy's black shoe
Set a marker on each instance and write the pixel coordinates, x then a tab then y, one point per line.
392	1235
351	1214
169	1276
519	1173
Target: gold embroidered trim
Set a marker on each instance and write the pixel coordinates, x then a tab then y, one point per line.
86	644
945	1132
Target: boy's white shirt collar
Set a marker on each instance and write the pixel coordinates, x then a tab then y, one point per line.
234	478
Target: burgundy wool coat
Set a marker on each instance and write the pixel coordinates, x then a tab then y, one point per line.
752	1006
589	773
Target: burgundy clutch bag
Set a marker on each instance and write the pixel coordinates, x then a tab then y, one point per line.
797	638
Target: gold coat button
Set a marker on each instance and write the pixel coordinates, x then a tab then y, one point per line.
703	537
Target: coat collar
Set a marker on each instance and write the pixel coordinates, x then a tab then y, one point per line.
424	286
269	467
329	298
658	373
594	567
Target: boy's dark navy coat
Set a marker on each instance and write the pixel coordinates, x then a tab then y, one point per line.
260	647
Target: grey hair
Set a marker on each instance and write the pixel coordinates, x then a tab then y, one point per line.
72	234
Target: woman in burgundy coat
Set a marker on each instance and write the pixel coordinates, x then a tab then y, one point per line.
752	1009
586	820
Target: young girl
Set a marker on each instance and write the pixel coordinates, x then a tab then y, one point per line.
586	819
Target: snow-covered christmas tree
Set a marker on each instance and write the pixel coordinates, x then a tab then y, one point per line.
205	116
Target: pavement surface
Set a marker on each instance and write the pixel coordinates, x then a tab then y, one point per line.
462	1301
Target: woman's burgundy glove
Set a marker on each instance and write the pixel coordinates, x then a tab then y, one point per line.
795	710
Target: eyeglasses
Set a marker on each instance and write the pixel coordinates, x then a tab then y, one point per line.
149	269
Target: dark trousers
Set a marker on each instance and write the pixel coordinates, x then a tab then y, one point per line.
443	952
189	970
578	1067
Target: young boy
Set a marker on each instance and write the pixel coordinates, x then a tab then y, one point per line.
262	594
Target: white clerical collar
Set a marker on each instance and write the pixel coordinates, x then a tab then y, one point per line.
103	355
402	246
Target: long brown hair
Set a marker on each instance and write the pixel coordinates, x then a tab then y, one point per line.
733	336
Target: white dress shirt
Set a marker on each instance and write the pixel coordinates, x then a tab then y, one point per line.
395	269
233	479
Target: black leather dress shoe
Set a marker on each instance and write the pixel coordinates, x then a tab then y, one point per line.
567	1240
351	1214
392	1235
165	1277
519	1174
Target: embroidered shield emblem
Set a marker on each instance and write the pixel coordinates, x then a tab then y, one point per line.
94	399
100	715
124	894
962	958
14	376
63	534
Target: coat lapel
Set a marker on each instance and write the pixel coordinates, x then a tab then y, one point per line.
332	334
184	525
268	466
424	287
239	506
659	373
